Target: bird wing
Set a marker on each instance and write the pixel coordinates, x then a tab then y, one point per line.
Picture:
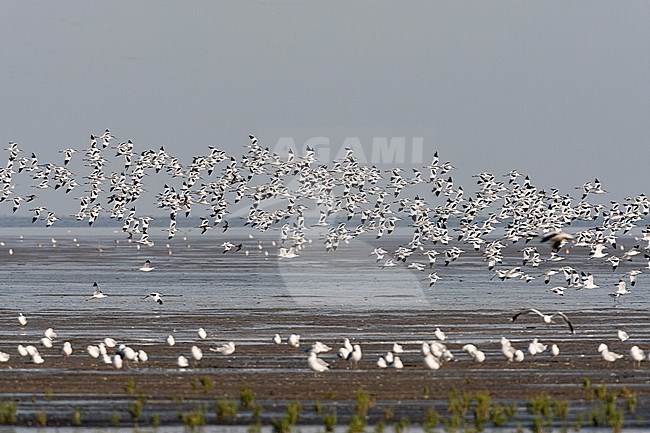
528	311
566	320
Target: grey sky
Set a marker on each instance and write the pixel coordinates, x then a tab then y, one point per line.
558	90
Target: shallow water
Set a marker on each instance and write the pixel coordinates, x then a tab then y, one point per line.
322	296
198	275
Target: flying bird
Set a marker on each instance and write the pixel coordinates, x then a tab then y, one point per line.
548	318
156	297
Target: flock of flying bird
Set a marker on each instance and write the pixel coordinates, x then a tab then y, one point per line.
348	199
265	191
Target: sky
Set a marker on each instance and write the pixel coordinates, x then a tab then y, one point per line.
557	90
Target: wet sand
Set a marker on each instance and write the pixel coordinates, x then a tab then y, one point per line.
277	374
322	297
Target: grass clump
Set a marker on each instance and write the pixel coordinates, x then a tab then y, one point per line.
246	398
196	417
115	418
361	407
389	414
498	416
362	402
135	408
207	383
458	405
358	424
129	386
329	421
481	410
226	410
431	420
630	399
257	412
560	409
286	423
41	418
540	407
600	391
402	425
76	417
8	411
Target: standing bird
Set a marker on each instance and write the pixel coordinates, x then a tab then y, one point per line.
97	294
182	362
66	350
147	267
294	340
22	320
317	364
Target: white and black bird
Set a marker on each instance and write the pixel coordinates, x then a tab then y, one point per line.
548	318
557	239
97	294
147	266
156	297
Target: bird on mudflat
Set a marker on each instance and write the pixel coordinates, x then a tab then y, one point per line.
97	294
147	267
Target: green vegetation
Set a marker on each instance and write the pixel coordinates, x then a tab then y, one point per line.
402	425
207	383
361	407
135	408
129	387
41	419
226	410
196	417
257	412
76	417
8	411
431	420
286	423
330	421
115	418
560	409
362	403
246	398
481	410
604	407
